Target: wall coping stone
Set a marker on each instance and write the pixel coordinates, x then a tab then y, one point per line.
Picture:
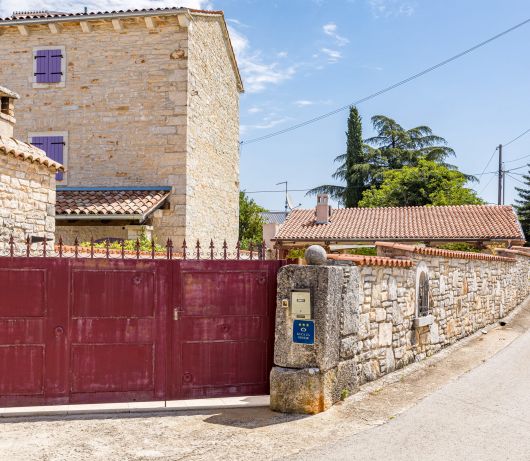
444	253
361	260
25	151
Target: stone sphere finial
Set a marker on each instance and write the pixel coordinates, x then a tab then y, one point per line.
315	255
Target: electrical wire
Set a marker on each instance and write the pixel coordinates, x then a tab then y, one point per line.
516	138
487	164
515	159
517	179
388	88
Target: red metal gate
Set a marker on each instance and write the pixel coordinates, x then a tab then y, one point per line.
103	330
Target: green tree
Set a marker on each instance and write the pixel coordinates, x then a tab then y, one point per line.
427	183
250	220
353	169
522	205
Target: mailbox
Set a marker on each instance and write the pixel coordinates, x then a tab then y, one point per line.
301	304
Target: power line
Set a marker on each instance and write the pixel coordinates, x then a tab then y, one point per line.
487	164
486	186
388	88
515	159
516	179
516	138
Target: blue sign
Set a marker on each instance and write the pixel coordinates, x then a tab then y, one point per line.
304	331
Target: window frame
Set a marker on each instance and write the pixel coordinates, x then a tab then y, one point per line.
427	318
47	134
60	84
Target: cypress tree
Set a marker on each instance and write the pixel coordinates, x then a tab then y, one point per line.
355	182
523	205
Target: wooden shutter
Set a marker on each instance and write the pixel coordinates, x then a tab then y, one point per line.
41	58
49	65
55	59
54	148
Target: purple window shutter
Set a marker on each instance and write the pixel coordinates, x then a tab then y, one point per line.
41	57
48	66
55	58
54	148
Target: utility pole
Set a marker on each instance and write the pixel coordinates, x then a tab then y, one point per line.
503	183
286	198
501	174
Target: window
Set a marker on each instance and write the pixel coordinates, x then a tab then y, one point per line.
423	305
423	295
49	67
54	144
4	108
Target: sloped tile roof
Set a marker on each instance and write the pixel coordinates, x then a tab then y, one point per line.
273	217
468	222
113	202
25	151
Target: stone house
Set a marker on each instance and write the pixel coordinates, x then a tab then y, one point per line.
27	183
343	228
142	108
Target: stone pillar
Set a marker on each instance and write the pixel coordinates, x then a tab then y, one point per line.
304	379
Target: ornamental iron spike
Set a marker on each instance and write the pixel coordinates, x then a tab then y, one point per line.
225	248
92	247
184	249
11	246
211	248
107	248
238	249
76	247
198	247
28	246
60	247
153	246
251	247
122	245
44	247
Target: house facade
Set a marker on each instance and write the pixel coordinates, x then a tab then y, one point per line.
142	108
27	185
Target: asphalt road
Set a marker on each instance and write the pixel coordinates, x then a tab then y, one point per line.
482	415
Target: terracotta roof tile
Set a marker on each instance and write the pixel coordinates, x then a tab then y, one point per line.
468	222
109	202
25	151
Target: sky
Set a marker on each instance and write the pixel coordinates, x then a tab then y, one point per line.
303	58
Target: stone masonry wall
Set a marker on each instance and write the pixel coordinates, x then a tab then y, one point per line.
27	201
377	308
212	207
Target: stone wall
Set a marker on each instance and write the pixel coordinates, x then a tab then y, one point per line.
365	318
27	201
140	109
212	206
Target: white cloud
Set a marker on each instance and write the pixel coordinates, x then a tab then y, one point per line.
255	110
303	103
282	54
331	29
7	7
387	8
257	73
269	123
333	55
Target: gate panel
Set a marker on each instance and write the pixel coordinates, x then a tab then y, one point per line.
33	359
223	328
118	330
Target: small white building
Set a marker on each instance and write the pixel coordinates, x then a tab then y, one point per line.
27	183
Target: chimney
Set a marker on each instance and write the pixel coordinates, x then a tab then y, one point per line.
323	210
7	112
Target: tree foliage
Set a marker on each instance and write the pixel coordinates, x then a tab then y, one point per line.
349	172
427	183
522	205
364	164
250	220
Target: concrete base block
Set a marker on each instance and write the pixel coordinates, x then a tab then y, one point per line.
304	391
